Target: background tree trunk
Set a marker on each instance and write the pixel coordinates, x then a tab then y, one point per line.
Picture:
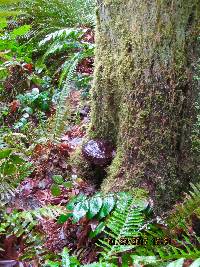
143	94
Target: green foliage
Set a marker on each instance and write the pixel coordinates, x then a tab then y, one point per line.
12	52
10	46
186	245
62	111
187	250
8	139
98	206
33	103
13	169
60	13
125	217
66	260
67	40
125	222
9	8
62	40
139	261
183	211
55	190
58	182
23	222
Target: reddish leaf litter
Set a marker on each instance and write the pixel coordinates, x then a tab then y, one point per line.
53	159
88	36
14	106
86	66
34	192
71	235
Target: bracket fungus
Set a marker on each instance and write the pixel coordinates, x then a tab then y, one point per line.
98	152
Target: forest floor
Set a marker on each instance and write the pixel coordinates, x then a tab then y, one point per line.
50	214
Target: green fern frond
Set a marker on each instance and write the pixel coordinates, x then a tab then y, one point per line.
184	211
13	169
8	8
186	250
125	222
63	105
62	34
62	40
23	222
60	13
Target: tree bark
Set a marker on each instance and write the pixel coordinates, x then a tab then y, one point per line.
144	91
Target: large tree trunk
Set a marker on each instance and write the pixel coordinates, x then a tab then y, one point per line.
143	95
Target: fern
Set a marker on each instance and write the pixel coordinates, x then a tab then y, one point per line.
187	251
9	8
125	219
153	261
59	123
183	211
56	42
61	40
65	39
23	222
62	34
188	246
67	261
125	222
56	14
13	169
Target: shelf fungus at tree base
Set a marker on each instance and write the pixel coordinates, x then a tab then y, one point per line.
98	152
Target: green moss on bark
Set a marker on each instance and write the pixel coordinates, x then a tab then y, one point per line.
143	93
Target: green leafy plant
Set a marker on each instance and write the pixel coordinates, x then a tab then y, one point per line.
13	169
9	8
182	212
98	206
66	260
10	46
67	12
125	223
124	218
33	103
59	124
62	40
67	40
23	224
12	54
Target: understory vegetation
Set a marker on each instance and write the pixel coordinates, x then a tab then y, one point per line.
50	215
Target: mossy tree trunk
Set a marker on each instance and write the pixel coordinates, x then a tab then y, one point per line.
143	93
